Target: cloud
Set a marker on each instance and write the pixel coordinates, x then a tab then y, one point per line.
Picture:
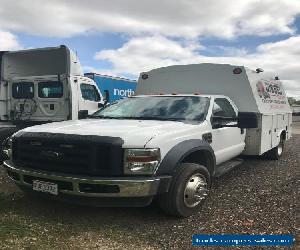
180	18
165	32
8	41
145	53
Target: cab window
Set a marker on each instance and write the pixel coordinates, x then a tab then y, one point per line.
50	89
222	107
22	90
89	92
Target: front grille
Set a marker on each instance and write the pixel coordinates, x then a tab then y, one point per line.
70	154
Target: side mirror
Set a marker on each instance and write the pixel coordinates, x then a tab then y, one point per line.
106	97
247	120
216	122
221	121
83	114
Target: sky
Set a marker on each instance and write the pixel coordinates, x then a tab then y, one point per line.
126	37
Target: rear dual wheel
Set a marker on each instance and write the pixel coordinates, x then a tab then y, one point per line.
276	153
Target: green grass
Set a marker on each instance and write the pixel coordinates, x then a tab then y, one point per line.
12	228
3	202
2	198
38	227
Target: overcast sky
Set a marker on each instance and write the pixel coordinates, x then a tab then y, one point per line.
125	37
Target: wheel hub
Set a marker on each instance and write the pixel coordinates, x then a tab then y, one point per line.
280	148
195	190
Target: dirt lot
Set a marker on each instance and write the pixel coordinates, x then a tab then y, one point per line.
258	197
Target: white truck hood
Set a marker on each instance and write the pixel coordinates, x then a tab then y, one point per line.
135	133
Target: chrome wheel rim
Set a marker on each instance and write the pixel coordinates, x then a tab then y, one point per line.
195	190
280	148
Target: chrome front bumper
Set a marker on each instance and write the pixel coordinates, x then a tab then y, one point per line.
93	187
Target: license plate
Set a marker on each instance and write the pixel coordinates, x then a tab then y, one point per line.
46	187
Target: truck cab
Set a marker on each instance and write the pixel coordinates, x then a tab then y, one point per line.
164	145
49	98
44	85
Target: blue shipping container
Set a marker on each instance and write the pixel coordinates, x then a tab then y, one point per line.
117	87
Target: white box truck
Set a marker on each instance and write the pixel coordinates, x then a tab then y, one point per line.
187	125
43	85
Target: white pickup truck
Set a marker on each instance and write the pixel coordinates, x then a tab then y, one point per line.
187	125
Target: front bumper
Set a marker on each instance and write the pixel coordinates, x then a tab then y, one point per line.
92	186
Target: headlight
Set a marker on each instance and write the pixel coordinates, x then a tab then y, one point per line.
141	161
6	147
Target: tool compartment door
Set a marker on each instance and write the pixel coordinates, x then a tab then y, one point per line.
275	130
266	133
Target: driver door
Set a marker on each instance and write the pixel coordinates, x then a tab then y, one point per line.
227	142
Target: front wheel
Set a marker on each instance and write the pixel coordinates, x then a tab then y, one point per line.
188	190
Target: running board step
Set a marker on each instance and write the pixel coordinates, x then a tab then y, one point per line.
227	166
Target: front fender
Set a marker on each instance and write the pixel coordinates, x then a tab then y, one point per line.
179	152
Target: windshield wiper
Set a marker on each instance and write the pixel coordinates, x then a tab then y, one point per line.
111	117
159	118
138	118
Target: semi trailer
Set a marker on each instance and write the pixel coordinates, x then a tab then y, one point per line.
116	87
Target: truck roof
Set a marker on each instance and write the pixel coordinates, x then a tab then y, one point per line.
41	61
251	90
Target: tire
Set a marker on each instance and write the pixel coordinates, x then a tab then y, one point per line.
4	133
276	153
188	180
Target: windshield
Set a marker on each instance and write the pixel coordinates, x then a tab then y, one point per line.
50	89
175	108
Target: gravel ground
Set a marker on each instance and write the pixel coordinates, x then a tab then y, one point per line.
258	197
296	125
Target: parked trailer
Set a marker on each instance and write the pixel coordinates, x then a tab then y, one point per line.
116	87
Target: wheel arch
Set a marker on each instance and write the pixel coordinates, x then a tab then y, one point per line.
189	151
202	157
283	134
